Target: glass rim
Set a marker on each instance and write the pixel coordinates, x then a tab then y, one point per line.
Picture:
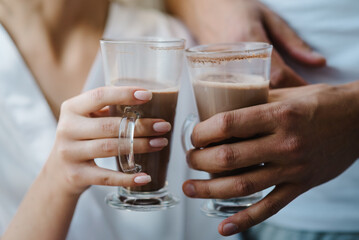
204	49
143	40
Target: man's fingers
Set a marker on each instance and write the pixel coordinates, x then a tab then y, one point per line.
241	123
108	127
257	213
103	148
283	76
240	185
284	37
227	157
96	99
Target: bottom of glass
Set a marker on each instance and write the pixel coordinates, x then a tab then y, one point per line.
141	201
228	207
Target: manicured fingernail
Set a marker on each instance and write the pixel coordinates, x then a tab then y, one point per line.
229	229
143	95
162	127
143	179
189	190
158	142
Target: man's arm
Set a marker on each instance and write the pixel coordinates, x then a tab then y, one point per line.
212	21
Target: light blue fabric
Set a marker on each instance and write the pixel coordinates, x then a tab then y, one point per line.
267	231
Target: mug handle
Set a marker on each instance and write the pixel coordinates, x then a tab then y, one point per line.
187	129
126	140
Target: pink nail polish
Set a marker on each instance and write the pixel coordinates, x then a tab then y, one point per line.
162	127
158	142
143	95
143	179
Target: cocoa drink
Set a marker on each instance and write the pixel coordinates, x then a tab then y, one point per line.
216	93
162	106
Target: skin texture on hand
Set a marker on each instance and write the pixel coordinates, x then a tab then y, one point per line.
305	136
80	138
85	132
214	21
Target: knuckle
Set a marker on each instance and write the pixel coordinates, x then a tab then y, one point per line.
243	186
248	220
65	106
206	190
225	122
64	151
106	181
225	156
63	127
289	115
294	147
97	94
291	118
109	127
108	146
73	176
272	206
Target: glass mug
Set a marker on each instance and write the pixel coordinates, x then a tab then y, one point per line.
154	64
226	77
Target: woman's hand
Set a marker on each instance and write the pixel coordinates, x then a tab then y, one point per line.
213	21
305	137
85	131
81	138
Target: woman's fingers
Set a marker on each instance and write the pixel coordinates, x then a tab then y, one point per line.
100	176
108	127
96	99
103	112
109	147
234	186
267	207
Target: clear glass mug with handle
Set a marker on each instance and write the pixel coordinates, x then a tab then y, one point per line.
154	64
226	77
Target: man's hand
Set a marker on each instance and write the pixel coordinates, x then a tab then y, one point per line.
213	21
305	136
